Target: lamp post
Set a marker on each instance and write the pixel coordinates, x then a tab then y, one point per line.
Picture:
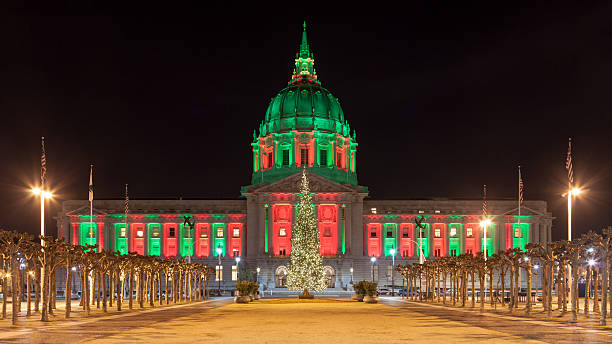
43	194
485	223
373	260
351	271
570	193
219	251
237	263
392	252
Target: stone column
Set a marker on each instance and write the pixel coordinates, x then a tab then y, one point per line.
356	227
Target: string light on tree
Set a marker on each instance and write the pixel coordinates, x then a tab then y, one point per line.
306	268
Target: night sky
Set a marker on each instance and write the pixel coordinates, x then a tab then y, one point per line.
444	99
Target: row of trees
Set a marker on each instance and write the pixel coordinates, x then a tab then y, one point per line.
587	257
105	277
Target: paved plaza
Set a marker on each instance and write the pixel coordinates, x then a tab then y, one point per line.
321	321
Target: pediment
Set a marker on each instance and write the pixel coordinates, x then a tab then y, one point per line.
525	211
84	210
291	184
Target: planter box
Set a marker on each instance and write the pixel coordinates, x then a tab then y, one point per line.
370	299
242	299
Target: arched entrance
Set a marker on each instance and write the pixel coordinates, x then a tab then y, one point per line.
280	277
330	276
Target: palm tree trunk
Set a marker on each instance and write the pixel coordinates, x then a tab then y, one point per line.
120	288
68	293
28	296
14	291
131	288
37	287
473	275
529	279
103	282
152	290
111	286
517	284
574	291
44	316
551	277
587	290
604	286
444	287
596	291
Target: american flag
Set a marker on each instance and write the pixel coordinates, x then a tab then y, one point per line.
568	164
91	183
43	165
127	202
520	186
484	200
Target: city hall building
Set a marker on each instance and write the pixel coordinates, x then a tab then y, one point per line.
304	127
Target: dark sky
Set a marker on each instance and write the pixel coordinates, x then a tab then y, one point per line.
444	99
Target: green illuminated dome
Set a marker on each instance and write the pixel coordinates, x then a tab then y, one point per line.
304	127
304	104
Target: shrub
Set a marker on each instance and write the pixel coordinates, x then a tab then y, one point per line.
253	287
359	288
371	288
243	287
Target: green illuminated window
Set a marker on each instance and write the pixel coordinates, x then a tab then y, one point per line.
323	157
285	157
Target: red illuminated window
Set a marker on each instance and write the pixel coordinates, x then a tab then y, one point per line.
437	232
140	233
203	235
282	232
236	232
405	234
172	231
304	156
468	233
372	234
327	232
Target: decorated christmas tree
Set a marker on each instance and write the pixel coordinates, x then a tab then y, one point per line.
306	268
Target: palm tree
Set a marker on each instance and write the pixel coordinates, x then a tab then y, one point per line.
11	243
605	245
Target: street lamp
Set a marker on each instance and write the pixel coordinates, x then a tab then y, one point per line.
43	194
351	271
373	260
572	191
258	271
219	251
392	252
237	262
484	224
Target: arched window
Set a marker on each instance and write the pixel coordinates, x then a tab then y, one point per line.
280	277
330	276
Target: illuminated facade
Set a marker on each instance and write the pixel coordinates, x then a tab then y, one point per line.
304	127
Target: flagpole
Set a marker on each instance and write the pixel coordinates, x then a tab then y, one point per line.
91	229
520	230
125	219
570	180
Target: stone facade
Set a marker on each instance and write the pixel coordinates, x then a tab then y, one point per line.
304	128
